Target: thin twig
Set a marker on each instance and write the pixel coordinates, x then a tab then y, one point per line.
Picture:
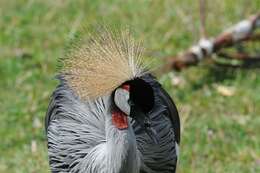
203	5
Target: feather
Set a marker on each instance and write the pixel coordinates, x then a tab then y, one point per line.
96	66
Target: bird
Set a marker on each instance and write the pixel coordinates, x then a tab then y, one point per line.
109	114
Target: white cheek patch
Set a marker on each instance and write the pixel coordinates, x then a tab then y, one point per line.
121	100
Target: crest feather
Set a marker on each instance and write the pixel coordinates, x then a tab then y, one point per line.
100	64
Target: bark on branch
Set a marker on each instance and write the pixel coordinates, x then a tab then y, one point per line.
242	31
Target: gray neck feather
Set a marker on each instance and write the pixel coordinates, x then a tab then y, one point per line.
122	153
86	129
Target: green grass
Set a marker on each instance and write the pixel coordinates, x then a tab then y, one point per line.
220	134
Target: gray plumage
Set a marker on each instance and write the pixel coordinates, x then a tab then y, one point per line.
81	137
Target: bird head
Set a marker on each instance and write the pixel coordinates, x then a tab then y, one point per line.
135	98
105	61
134	94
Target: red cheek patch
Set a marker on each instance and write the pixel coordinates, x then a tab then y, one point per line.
119	119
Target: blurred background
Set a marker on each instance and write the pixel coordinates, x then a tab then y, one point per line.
219	106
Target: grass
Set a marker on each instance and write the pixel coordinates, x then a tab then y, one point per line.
220	134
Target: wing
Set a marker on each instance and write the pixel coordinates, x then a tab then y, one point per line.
70	125
172	113
160	157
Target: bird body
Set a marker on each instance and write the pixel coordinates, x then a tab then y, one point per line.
130	127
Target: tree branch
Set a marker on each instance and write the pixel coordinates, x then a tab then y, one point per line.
242	31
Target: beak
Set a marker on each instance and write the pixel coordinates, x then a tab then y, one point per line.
144	121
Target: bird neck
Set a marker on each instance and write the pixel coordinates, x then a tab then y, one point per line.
122	150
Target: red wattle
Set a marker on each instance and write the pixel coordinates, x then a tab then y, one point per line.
119	119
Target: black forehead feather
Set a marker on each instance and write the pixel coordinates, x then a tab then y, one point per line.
142	94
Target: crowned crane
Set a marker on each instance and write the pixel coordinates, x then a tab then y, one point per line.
109	114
